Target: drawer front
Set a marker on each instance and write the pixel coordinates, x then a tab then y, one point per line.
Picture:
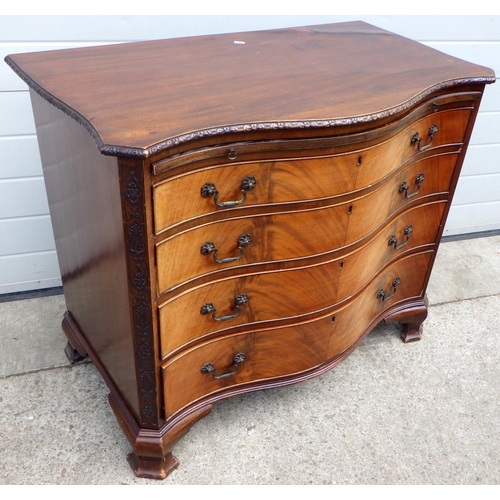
273	237
289	350
270	296
289	180
278	295
296	235
275	182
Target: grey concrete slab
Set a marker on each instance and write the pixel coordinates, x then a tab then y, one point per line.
465	269
30	335
392	413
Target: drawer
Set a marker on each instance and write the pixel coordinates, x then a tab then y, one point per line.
274	237
295	235
245	184
269	296
246	300
414	228
285	351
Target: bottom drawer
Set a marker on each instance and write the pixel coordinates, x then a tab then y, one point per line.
217	365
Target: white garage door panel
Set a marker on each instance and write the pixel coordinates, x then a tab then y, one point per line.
42	269
491	98
439	27
482	159
464	219
109	28
19	236
481	52
486	129
477	189
16	117
23	197
19	157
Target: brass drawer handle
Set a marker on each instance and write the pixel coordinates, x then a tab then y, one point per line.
238	302
404	187
382	295
208	247
247	184
237	360
393	241
417	139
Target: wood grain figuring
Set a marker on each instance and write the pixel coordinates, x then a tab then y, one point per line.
358	267
355	138
269	354
297	234
370	211
351	321
451	127
281	352
276	237
283	181
276	296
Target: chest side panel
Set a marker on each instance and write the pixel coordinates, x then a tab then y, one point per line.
83	190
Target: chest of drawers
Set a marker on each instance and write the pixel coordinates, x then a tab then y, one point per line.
236	212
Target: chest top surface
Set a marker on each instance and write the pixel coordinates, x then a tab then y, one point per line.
136	96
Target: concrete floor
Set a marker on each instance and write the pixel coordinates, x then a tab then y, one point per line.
391	413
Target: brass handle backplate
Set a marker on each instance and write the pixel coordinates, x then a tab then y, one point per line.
237	360
208	308
416	139
382	295
394	242
404	186
247	184
208	247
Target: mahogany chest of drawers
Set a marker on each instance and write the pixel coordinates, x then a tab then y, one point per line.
236	212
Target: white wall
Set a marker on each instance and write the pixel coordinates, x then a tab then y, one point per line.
27	256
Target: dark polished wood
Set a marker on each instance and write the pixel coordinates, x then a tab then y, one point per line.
232	217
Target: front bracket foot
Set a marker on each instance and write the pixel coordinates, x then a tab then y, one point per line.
152	449
152	467
412	332
412	318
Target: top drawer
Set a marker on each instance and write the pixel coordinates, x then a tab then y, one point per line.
244	184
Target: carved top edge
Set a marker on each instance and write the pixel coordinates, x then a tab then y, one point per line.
223	131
